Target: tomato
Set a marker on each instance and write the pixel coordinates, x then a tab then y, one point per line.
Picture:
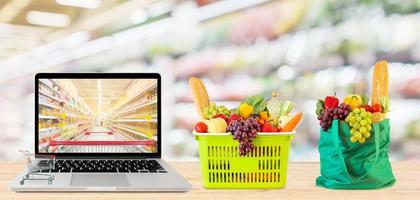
376	108
201	127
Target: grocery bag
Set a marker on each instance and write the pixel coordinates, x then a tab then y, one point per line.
347	165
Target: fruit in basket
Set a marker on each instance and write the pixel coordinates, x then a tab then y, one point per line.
245	132
353	100
212	110
201	127
331	102
262	117
360	122
257	104
292	124
267	127
223	116
245	110
200	96
234	116
216	125
260	120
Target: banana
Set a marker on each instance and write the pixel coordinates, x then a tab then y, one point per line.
200	96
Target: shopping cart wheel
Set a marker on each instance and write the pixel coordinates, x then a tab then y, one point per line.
22	182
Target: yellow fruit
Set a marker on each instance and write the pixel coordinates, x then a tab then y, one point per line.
357	135
264	115
216	125
377	117
353	139
353	100
245	110
362	140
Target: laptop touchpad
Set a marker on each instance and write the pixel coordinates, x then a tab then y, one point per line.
99	180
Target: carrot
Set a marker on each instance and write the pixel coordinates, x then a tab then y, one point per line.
291	125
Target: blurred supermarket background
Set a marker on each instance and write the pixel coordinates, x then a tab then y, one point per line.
303	49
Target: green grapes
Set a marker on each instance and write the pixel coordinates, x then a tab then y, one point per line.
360	122
212	110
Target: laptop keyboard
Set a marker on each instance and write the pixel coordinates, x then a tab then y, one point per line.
104	166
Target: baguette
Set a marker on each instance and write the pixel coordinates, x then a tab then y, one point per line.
380	81
200	96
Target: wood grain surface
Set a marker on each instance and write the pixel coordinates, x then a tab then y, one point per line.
300	185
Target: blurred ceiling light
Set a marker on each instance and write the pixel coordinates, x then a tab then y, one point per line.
159	8
286	73
138	16
346	76
47	19
222	7
80	3
323	78
10	10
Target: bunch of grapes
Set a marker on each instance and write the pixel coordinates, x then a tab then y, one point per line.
360	122
329	114
245	132
212	110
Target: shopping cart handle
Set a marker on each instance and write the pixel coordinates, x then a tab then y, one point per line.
107	132
139	142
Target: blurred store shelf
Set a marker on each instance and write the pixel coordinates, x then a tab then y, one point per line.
302	49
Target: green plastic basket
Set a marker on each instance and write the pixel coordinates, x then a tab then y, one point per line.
263	167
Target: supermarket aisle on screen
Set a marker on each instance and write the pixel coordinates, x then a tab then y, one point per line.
80	115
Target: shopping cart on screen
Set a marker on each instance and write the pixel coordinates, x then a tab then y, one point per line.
100	146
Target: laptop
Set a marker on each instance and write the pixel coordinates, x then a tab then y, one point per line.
98	132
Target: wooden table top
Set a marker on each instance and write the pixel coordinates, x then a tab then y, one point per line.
300	185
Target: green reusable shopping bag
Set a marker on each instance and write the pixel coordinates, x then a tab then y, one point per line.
347	165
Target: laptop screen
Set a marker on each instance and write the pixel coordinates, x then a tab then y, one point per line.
97	116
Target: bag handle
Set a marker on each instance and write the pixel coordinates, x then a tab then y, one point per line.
335	132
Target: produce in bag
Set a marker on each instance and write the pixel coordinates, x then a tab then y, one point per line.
355	140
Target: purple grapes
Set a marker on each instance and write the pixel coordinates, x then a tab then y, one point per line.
245	131
330	114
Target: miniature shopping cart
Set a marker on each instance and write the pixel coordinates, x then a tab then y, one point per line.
35	168
101	146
